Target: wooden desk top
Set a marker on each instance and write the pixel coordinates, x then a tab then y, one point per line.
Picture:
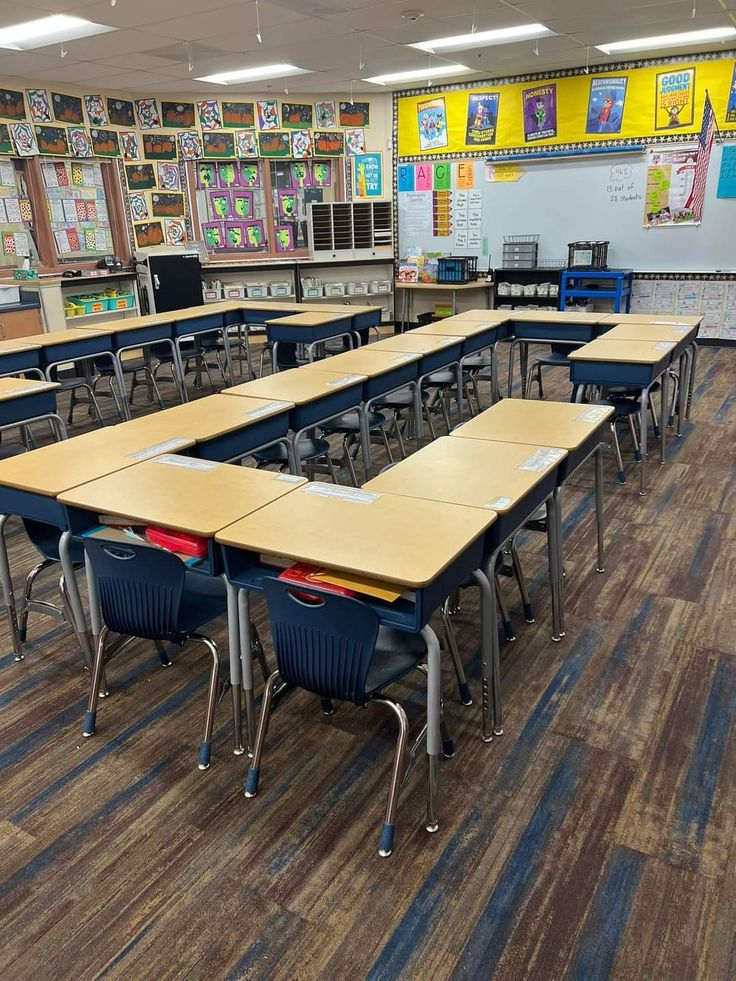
413	343
208	417
391	538
13	388
555	317
308	318
490	316
649	332
73	334
55	468
457	328
346	309
565	424
362	361
177	492
624	352
295	385
651	318
23	344
479	284
475	473
130	323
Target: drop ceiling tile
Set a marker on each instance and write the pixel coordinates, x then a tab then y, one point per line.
116	43
82	73
140	13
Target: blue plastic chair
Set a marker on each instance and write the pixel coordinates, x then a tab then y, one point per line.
148	593
335	647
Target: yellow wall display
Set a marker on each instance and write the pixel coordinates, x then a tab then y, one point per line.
632	103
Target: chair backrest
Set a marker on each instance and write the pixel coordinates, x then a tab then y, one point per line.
139	588
323	642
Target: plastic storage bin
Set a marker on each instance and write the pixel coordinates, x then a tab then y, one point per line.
90	303
234	291
357	289
210	294
334	289
380	286
257	291
457	269
122	301
587	255
312	288
280	289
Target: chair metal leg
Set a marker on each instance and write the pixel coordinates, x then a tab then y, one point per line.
399	435
254	771
331	468
163	654
462	681
521	582
434	684
508	627
348	460
617	451
25	602
257	651
205	747
430	424
90	716
386	841
386	444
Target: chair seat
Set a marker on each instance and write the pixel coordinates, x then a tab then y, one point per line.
402	399
444	378
480	360
622	407
348	422
307	448
203	599
552	360
395	655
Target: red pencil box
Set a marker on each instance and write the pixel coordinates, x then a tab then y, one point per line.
299	574
177	541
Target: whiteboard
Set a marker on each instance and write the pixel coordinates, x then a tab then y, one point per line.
598	198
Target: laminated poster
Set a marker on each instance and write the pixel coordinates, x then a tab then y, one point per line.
482	120
432	122
606	103
540	112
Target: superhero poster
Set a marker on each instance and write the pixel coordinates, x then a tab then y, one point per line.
540	112
675	100
606	105
432	122
480	128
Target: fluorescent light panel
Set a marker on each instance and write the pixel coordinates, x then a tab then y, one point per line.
436	71
254	74
48	30
669	40
484	39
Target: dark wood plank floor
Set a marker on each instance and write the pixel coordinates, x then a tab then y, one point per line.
595	839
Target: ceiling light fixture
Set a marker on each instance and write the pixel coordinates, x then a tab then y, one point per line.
484	39
669	40
254	74
48	30
437	71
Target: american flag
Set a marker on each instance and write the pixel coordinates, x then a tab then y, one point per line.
696	199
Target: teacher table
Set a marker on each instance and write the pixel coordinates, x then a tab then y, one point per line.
410	289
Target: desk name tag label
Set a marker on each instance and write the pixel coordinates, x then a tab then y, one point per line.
345	380
499	503
682	328
669	323
288	478
594	414
664	345
353	494
157	448
267	409
186	462
27	390
541	459
402	358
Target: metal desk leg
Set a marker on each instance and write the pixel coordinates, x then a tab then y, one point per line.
599	502
664	412
491	709
75	600
553	553
233	642
418	409
454	301
512	351
246	667
120	382
460	394
644	426
365	438
681	390
180	370
434	709
495	391
95	619
228	354
557	501
691	380
8	594
524	365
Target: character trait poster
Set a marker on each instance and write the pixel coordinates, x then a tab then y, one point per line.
480	129
540	113
606	105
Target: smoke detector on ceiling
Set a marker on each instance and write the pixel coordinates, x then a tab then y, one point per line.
412	15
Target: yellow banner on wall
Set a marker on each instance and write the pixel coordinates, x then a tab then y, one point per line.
629	104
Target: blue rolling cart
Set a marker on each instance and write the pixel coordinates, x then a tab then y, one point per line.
608	284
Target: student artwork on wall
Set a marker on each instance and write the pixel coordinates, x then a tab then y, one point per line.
301	143
245	143
482	119
24	139
354	141
329	143
167	204
540	112
300	174
140	177
228	173
238	115
12	105
177	114
432	123
242	204
274	144
296	115
268	114
208	112
159	147
52	140
138	206
148	234
169	177
255	236
80	144
67	108
250	175
606	104
284	238
325	115
321	173
675	99
105	143
96	112
120	112
147	113
214	234
234	234
6	145
355	114
190	145
38	104
288	204
130	146
175	231
221	204
218	144
207	175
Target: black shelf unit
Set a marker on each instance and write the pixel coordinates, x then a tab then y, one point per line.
524	277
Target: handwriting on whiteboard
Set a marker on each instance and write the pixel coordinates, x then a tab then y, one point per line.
620	172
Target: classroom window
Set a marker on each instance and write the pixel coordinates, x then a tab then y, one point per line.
76	201
295	184
17	226
231	206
